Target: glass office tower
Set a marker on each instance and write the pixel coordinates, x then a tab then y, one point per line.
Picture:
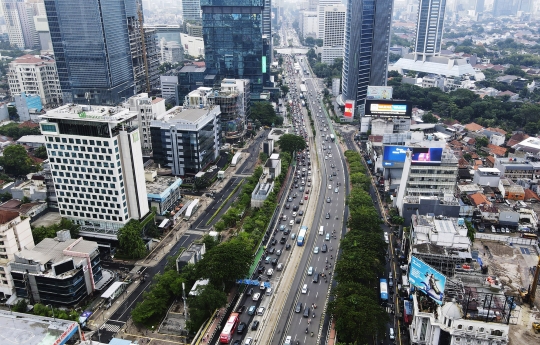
234	42
367	40
91	47
429	28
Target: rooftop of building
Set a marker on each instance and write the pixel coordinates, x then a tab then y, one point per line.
34	59
31	329
473	127
82	112
440	231
442	65
478	199
190	115
531	144
160	184
192	69
38	139
7	216
517	138
443	200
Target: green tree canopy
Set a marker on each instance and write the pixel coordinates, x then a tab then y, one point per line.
131	244
16	161
291	143
284	89
264	113
41	232
203	305
41	152
429	118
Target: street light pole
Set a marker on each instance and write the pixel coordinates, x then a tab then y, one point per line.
52	309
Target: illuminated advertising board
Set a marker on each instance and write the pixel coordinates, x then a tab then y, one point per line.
426	156
427	279
379	92
394	156
349	109
382	108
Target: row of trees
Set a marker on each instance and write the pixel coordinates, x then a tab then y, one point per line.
263	113
466	106
41	232
13	130
359	316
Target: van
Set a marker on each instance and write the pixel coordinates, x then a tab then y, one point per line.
321	230
287	340
391	334
268	291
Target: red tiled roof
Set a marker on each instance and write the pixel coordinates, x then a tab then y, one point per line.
375	138
29	124
498	130
529	194
517	138
491	159
199	63
7	216
31	59
156	100
497	150
473	127
478	199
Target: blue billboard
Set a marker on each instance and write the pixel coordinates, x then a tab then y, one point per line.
427	279
394	155
426	156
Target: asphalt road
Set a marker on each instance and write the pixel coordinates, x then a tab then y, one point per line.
123	313
294	324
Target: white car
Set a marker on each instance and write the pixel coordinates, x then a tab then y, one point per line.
325	157
316	250
329	186
310	271
294	214
386	237
256	296
304	289
291	223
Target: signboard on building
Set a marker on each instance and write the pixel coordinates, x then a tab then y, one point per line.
426	156
379	92
394	156
349	109
427	279
382	108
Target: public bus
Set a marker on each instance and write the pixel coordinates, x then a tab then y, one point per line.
384	290
529	236
302	236
229	329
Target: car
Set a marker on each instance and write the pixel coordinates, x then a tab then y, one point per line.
267	260
334	173
271	250
305	197
391	334
274	261
273	242
251	310
278	253
288	246
325	157
386	237
330	155
298	220
329	186
241	309
327	216
270	272
302	201
307	191
306	312
328	200
256	296
260	269
241	328
286	232
310	271
300	213
298	307
324	248
294	214
279	267
289	199
287	206
336	190
260	311
283	240
237	342
316	250
291	222
304	289
327	237
295	195
249	292
255	325
281	227
248	341
295	208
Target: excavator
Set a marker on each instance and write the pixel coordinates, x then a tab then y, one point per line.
536	326
527	296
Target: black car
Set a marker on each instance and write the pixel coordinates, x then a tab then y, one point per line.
274	261
237	342
241	328
306	312
261	269
283	240
288	246
241	309
298	220
271	250
273	243
255	325
249	292
287	231
324	248
298	307
328	216
288	206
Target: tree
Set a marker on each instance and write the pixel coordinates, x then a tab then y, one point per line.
130	242
264	113
203	305
40	152
285	90
202	182
41	232
429	118
16	161
13	114
20	307
5	196
481	142
291	143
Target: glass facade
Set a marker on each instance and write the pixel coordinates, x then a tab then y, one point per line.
91	47
367	38
429	28
233	40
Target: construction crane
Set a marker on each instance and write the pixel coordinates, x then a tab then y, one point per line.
143	41
528	295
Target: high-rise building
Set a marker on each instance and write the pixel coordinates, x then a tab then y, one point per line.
309	24
19	17
92	48
429	28
149	109
235	43
320	13
96	162
504	8
479	6
525	6
334	29
312	5
35	75
367	40
267	30
191	10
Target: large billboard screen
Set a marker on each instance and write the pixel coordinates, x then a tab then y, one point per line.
427	279
379	92
388	108
349	109
394	156
426	156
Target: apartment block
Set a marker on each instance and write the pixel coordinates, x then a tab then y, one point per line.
148	109
334	31
96	163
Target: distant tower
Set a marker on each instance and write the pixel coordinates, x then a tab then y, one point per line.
429	28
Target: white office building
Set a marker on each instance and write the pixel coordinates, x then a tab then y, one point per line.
96	163
148	110
334	33
191	10
19	16
310	24
35	75
320	9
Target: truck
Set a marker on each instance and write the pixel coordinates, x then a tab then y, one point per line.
191	209
332	137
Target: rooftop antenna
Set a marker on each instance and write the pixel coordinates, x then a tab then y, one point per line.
87	95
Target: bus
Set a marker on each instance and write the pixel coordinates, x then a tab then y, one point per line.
529	236
229	329
302	236
384	290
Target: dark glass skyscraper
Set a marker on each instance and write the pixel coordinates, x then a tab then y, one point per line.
429	28
234	45
91	47
367	39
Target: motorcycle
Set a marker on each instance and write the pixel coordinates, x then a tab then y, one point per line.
306	330
311	333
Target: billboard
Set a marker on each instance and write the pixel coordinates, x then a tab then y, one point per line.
388	108
379	92
394	156
426	156
427	279
349	109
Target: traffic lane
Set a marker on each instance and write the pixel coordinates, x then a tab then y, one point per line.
124	310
